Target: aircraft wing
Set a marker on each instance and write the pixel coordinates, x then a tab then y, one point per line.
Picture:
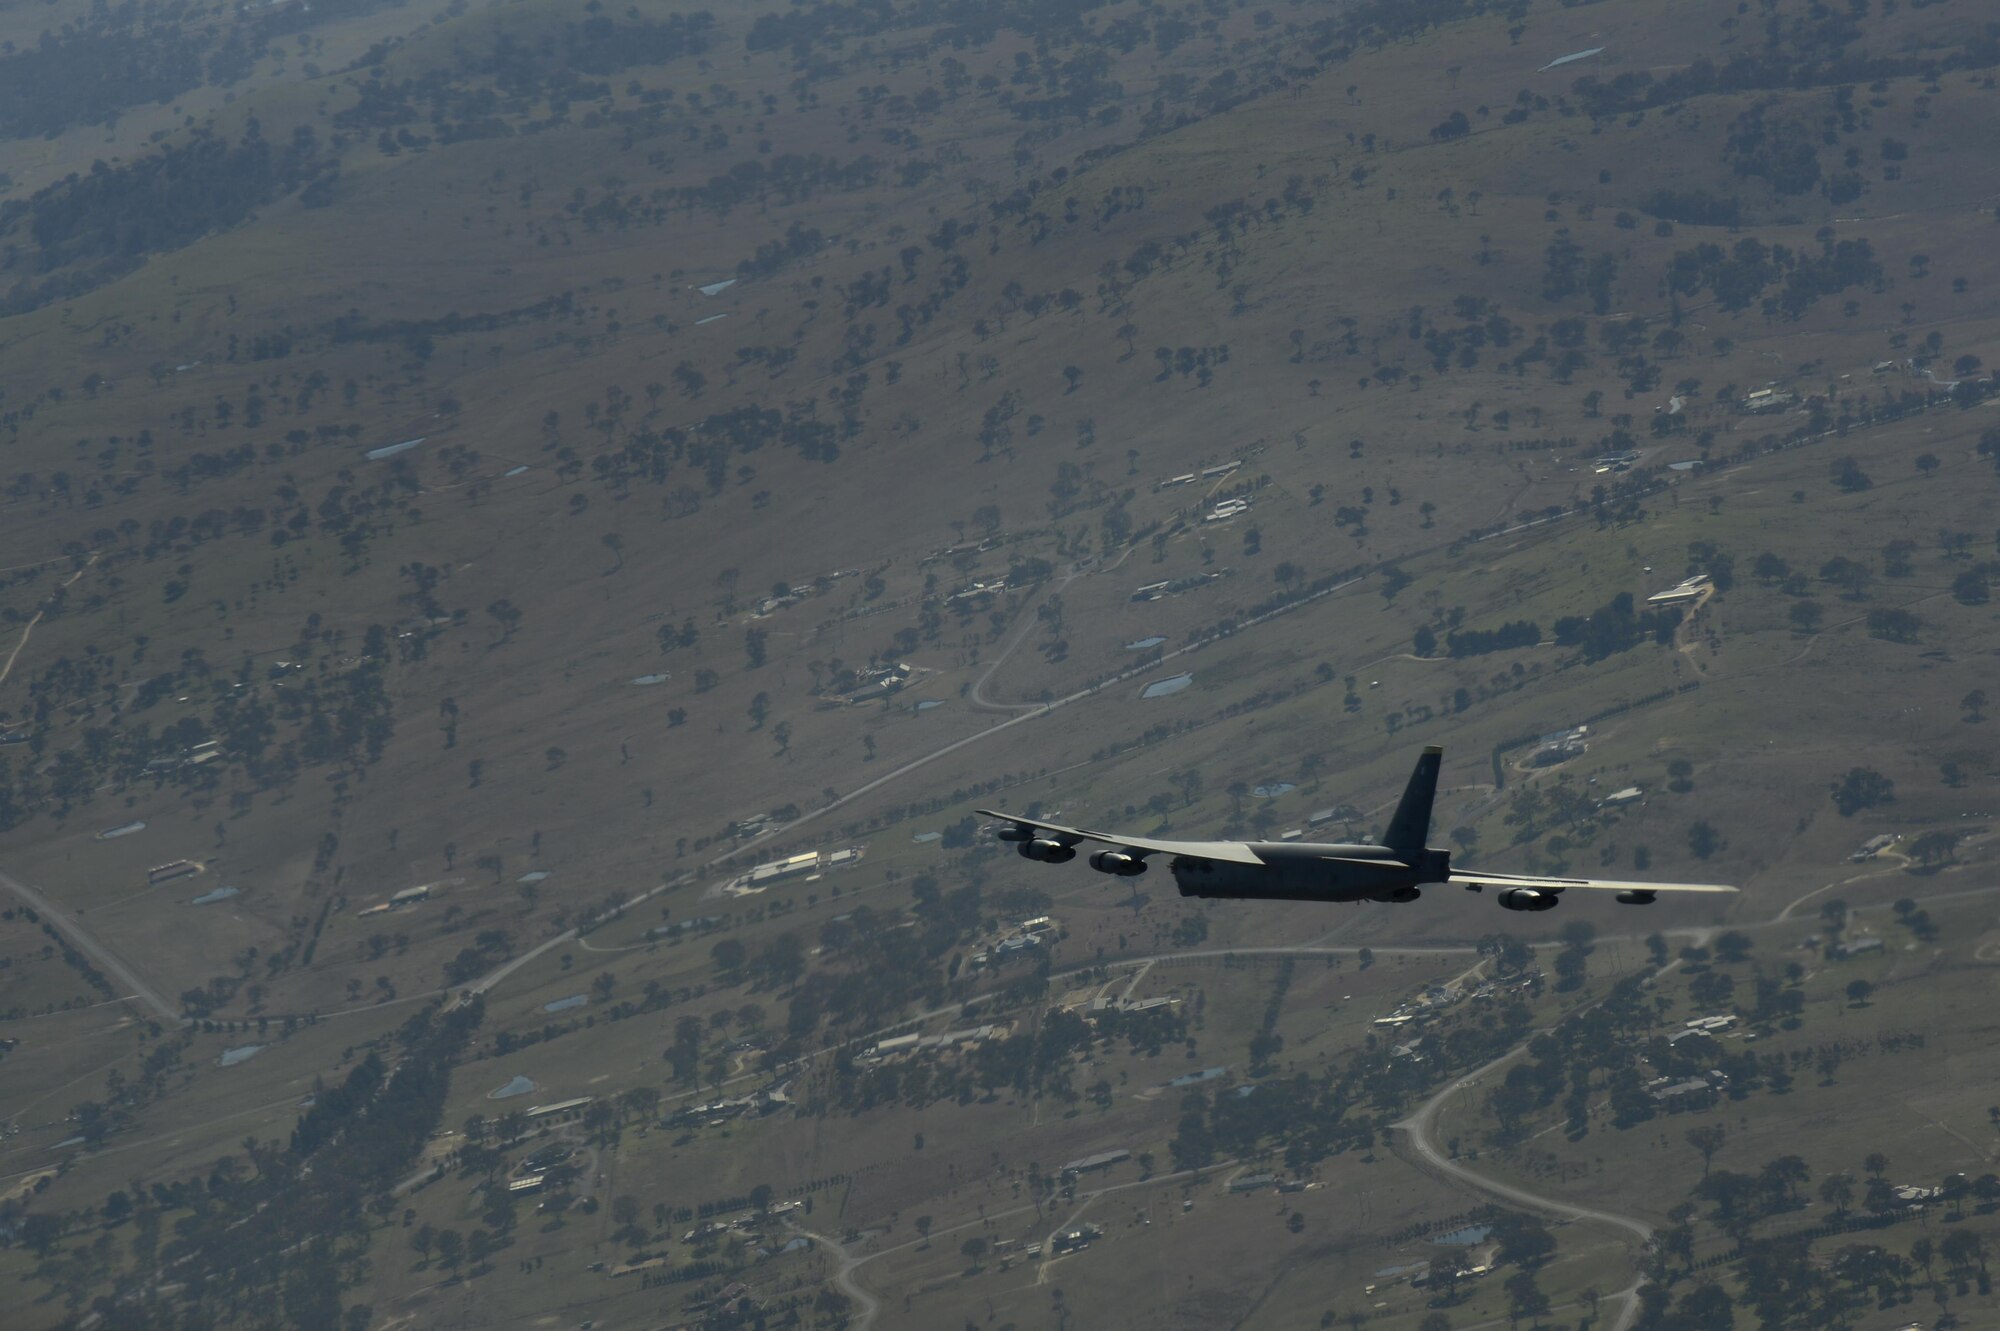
1231	852
1473	877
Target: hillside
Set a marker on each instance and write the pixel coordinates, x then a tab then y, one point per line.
479	479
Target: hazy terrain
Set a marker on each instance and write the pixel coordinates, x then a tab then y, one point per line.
479	479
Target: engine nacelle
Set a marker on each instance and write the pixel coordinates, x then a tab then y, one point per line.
1118	862
1528	898
1016	832
1047	851
1638	897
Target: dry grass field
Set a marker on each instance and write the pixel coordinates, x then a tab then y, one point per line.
545	462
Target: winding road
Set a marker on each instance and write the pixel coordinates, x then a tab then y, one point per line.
1420	1133
843	1277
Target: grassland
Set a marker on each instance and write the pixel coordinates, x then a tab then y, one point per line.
936	368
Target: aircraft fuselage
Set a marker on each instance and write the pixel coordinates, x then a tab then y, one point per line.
1306	871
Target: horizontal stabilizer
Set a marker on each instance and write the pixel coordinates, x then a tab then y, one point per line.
1474	878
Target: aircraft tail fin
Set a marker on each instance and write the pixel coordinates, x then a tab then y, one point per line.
1410	829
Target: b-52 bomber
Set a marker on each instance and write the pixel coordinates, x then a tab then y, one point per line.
1397	870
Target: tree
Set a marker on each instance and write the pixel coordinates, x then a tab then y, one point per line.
1927	463
1858	991
1426	641
729	955
1525	1297
1837	1190
1806	615
1933	846
1847	475
1850	574
423	1241
1862	788
1712	989
1781	1180
1703	841
1734	1197
1974	704
974	1249
1962	1248
505	613
1707	1306
1708	1139
1893	625
1523	1240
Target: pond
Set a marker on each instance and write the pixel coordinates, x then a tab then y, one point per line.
1469	1237
123	829
565	1004
717	288
649	679
1161	688
1196	1078
518	1086
1144	644
1272	792
241	1053
209	898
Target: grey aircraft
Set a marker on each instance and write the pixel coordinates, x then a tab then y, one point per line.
1396	870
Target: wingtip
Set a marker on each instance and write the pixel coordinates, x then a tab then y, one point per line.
1433	748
